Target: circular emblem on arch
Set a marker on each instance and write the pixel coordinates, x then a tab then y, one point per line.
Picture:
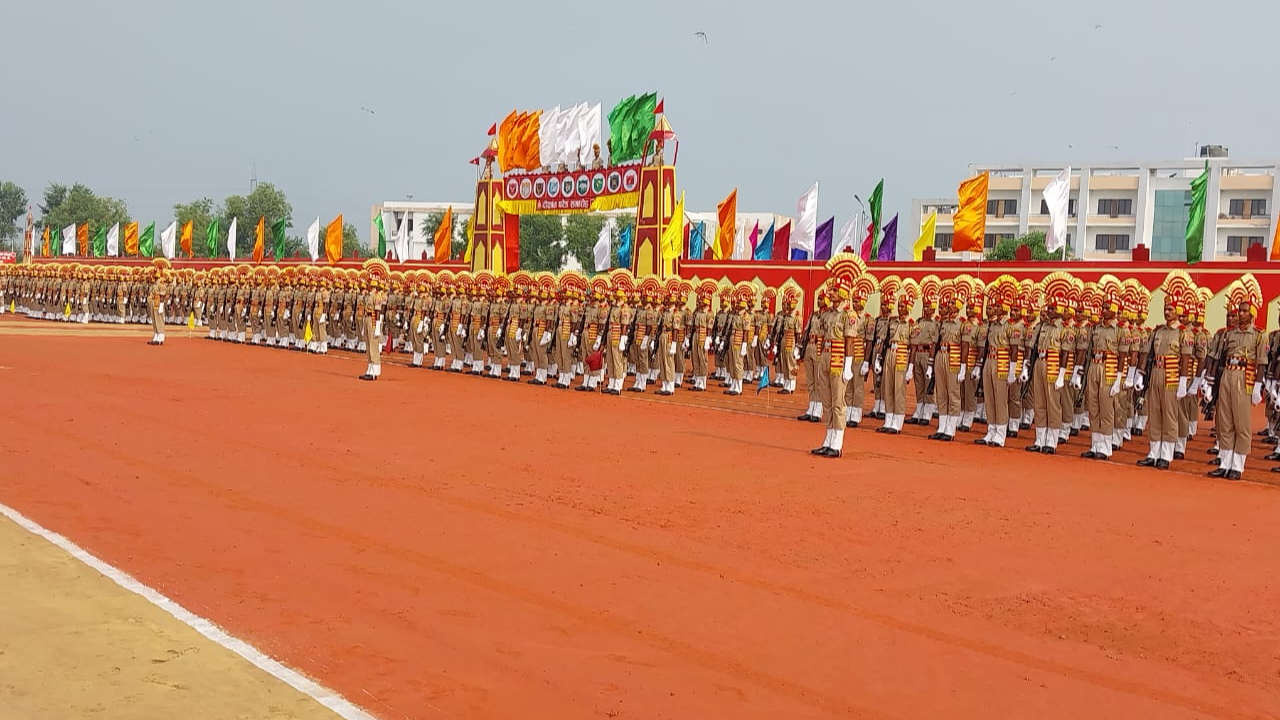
614	181
566	187
631	180
539	187
526	188
513	188
553	188
584	185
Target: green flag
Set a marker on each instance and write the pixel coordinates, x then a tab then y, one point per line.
630	123
277	236
382	236
147	242
616	133
877	200
100	241
1195	220
211	238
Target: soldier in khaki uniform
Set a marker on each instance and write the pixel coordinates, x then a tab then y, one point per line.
948	369
160	289
320	311
700	335
375	277
1170	362
924	335
617	339
838	333
999	371
787	345
1106	370
1243	347
893	355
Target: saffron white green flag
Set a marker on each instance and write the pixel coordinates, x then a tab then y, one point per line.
169	240
69	239
1056	195
313	239
231	240
113	241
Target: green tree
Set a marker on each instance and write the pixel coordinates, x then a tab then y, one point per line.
267	201
458	241
351	245
1006	248
541	243
13	203
199	213
78	204
581	232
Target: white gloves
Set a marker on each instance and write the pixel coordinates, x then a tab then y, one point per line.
766	343
1062	374
1115	387
879	367
743	350
977	372
1182	387
706	344
1208	391
1139	381
1076	380
545	339
644	344
754	341
480	335
596	346
573	340
1257	392
1012	376
796	353
377	331
906	378
286	314
622	343
325	316
520	335
1195	385
671	348
160	307
1129	376
964	369
928	372
1025	374
866	367
422	324
848	369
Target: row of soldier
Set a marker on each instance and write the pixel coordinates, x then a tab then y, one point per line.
1060	356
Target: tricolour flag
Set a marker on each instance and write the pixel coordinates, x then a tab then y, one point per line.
402	237
970	219
1056	198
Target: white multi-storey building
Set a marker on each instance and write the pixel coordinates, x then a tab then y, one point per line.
1116	206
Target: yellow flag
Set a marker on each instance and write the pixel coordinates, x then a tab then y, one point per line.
969	222
11	307
471	237
673	235
306	334
191	321
67	312
927	236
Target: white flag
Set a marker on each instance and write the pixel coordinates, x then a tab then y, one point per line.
849	236
69	239
805	233
402	238
602	246
169	240
741	247
589	133
559	137
547	127
231	240
1056	195
313	239
573	135
113	241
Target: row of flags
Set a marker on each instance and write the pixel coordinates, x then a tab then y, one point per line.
75	240
535	139
442	240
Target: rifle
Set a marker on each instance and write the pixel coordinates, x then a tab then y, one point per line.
579	332
603	337
1141	399
653	344
1215	355
722	341
775	336
804	344
1031	366
630	334
982	363
937	345
1084	372
502	331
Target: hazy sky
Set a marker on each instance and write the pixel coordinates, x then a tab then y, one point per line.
162	102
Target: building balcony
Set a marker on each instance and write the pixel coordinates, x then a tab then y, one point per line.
1111	221
1228	221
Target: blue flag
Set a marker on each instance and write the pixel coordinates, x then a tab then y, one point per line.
624	247
697	240
764	248
764	380
799	254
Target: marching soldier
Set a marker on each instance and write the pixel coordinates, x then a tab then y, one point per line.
700	332
1243	347
948	369
375	277
1106	368
160	290
1166	379
838	334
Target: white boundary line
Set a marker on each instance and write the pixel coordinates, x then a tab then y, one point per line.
326	697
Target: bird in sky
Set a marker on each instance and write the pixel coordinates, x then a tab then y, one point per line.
1097	27
701	36
365	109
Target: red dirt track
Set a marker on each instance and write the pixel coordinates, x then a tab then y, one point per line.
434	545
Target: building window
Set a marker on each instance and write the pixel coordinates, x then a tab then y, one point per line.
1111	243
1115	207
1237	244
1001	208
990	239
1071	207
1247	208
942	241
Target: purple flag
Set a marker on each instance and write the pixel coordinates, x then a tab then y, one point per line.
889	245
822	241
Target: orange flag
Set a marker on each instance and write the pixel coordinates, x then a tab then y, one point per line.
727	216
82	238
970	220
506	138
186	238
131	238
1275	242
259	235
47	250
444	237
333	240
530	141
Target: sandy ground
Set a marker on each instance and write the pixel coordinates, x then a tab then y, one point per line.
434	545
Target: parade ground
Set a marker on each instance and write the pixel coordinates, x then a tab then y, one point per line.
434	545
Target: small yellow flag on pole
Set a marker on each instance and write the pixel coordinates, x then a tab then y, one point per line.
306	334
191	321
67	311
